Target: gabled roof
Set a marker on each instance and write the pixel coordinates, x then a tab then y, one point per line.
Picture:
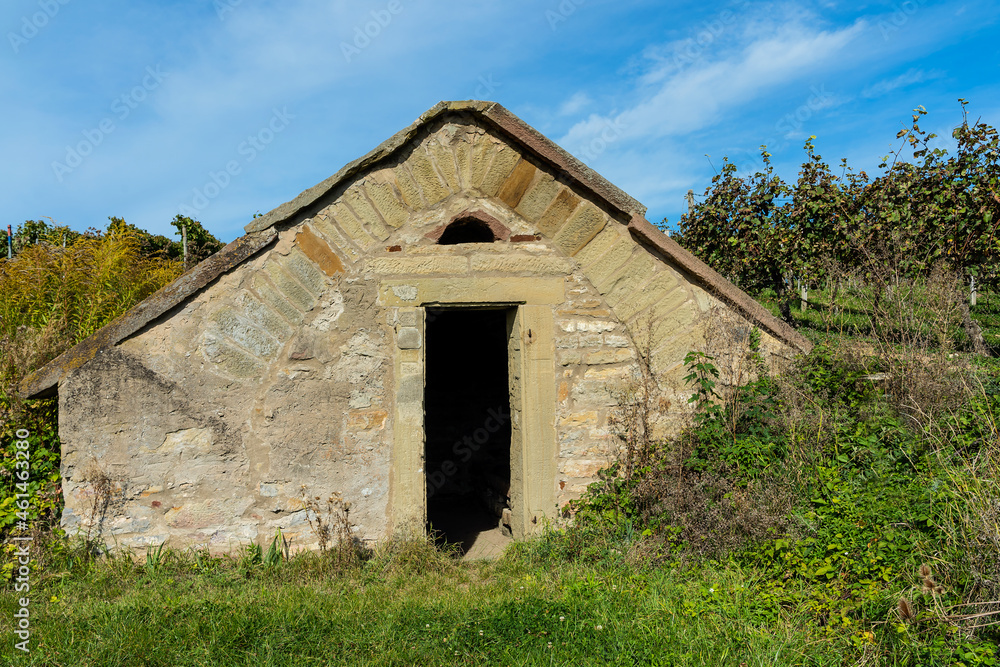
261	232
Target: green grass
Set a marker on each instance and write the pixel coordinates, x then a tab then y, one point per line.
474	614
822	324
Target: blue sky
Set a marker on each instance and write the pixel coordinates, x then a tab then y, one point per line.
137	109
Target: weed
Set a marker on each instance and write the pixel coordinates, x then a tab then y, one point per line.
331	524
277	552
154	558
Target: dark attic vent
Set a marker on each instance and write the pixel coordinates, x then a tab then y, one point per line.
467	230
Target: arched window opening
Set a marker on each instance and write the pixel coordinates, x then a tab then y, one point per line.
467	230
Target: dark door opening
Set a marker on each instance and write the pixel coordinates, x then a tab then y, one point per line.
467	423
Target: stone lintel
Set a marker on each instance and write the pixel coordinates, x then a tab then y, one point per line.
472	291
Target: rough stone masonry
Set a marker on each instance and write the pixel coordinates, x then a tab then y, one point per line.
292	364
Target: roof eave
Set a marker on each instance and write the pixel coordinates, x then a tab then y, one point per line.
718	285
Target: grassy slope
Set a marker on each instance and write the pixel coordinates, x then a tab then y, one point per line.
474	614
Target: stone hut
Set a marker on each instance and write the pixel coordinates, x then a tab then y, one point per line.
439	326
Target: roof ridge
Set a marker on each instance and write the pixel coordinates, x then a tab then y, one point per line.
495	113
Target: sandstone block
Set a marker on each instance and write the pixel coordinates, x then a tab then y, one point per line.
662	288
441	154
538	198
426	177
294	293
629	271
517	183
600	272
569	357
566	341
408	338
582	467
613	356
367	420
582	226
579	419
318	250
606	373
299	266
463	161
246	335
419	265
231	360
679	344
410	389
670	358
408	189
474	289
384	197
326	227
563	393
599	246
366	213
263	316
405	292
668	325
352	226
503	163
616	340
593	325
565	203
482	154
276	300
534	264
408	317
595	393
589	311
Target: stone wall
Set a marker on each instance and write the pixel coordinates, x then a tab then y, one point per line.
302	366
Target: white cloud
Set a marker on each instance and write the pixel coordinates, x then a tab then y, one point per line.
908	78
575	104
685	100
